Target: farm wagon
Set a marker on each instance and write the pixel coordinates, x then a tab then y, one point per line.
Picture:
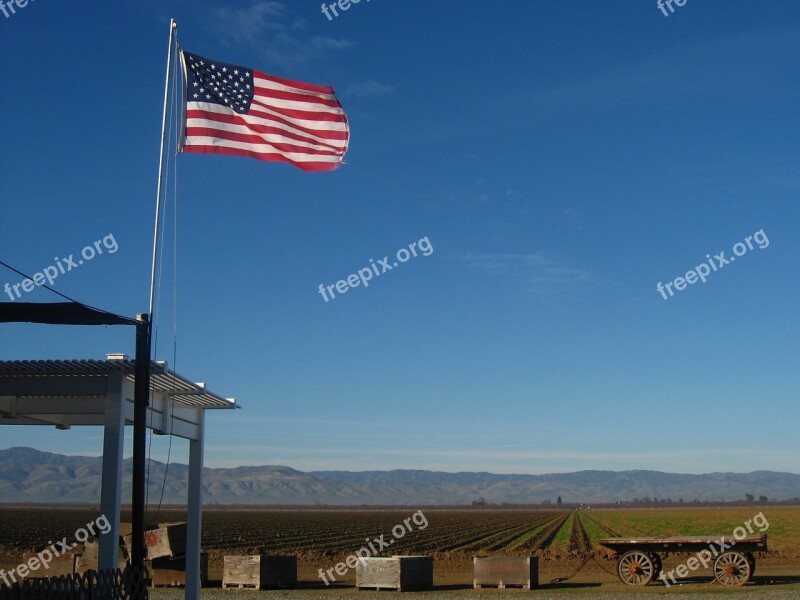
640	559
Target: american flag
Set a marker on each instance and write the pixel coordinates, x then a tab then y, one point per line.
229	109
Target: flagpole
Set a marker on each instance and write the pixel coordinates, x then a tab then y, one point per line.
143	357
173	31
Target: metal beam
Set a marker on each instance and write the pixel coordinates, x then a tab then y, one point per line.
55	405
53	385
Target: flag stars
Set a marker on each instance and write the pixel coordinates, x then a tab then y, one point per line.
219	84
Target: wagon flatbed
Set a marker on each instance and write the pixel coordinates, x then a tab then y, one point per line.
640	557
752	543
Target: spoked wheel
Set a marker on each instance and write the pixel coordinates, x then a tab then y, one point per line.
751	559
732	568
636	568
657	565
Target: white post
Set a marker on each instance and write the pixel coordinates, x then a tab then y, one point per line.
111	490
194	527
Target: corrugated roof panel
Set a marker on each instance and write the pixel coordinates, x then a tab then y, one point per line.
161	378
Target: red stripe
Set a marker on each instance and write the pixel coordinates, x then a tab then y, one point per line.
282	95
326	133
301	114
309	87
262	130
243	120
256	139
268	156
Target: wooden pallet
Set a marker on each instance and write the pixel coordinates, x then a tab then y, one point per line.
378	588
240	586
502	586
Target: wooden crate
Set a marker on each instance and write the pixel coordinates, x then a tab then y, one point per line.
164	540
259	571
89	558
506	571
168	572
401	573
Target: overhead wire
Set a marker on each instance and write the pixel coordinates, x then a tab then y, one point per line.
47	287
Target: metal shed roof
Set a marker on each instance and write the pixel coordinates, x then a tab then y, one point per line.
183	391
67	393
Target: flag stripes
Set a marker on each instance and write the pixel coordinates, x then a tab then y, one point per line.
233	110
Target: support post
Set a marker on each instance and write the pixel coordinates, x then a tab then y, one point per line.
194	527
140	401
111	490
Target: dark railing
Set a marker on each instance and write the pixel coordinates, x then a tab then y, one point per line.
115	584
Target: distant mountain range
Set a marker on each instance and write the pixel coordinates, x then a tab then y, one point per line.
28	475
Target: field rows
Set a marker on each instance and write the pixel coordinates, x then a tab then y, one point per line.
311	534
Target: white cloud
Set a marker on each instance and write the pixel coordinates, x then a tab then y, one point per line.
369	88
529	268
272	29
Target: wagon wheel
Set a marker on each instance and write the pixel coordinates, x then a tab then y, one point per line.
636	568
751	559
657	564
732	568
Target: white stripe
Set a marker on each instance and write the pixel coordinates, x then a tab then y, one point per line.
274	85
313	125
263	148
298	105
267	137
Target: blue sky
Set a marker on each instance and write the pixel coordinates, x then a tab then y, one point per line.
562	158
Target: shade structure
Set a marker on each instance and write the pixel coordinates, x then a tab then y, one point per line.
71	393
59	313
